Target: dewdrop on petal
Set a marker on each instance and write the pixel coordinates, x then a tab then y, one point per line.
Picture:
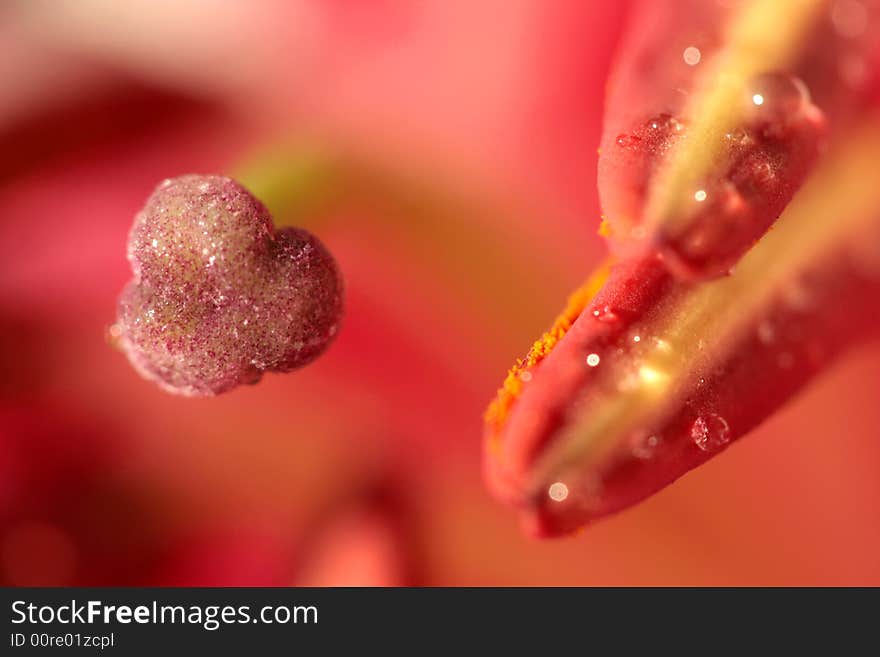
218	295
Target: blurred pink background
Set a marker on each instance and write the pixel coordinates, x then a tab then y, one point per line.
364	468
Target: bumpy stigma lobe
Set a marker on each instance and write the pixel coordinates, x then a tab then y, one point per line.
218	296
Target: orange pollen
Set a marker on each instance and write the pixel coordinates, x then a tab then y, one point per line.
510	390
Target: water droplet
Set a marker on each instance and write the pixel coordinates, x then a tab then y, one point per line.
739	137
593	360
764	173
778	98
525	376
605	314
700	195
645	446
637	338
710	432
665	123
624	140
691	55
558	491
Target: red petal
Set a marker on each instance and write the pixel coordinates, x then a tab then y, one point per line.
716	116
657	374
